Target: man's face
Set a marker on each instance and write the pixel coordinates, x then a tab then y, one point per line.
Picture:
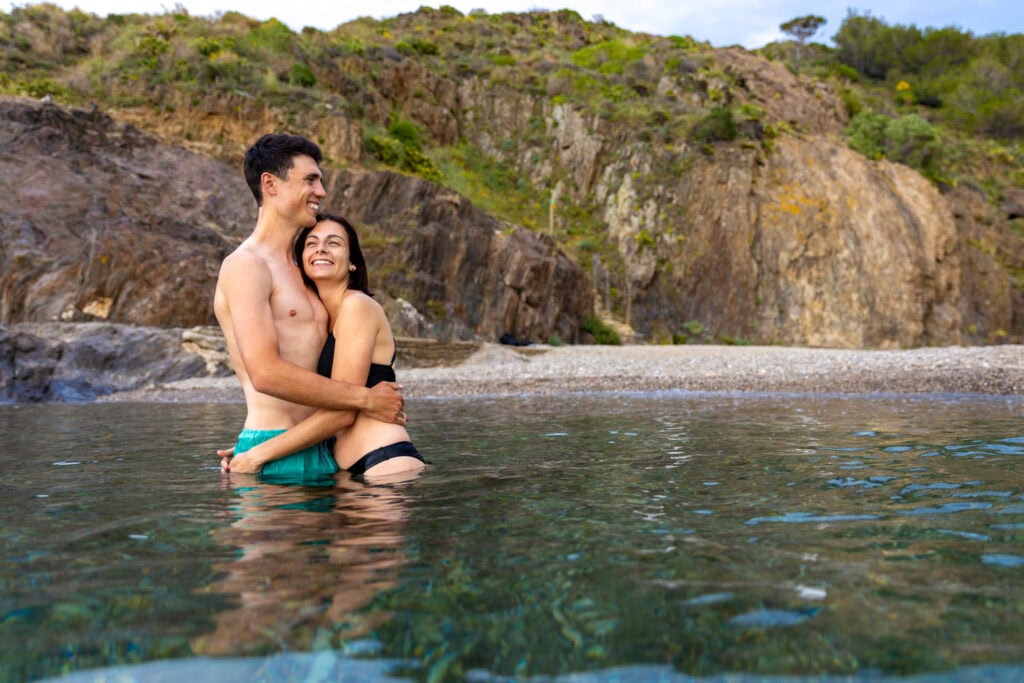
302	190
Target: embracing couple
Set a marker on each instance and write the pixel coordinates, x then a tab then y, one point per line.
313	351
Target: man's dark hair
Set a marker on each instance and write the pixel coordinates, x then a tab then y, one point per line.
358	279
273	153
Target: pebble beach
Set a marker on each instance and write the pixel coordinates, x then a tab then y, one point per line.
492	370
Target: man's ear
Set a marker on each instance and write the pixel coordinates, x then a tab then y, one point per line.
268	183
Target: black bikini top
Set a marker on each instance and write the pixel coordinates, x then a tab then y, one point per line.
378	372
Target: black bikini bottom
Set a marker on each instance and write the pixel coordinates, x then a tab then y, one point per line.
375	457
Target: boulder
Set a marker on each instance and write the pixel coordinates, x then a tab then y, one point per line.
81	361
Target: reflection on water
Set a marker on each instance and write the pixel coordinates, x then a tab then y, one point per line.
308	560
613	535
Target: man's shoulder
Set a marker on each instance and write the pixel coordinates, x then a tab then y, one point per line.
246	267
244	256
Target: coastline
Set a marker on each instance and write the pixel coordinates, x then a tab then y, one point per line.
494	370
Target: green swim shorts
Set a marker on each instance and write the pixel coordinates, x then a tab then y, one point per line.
313	463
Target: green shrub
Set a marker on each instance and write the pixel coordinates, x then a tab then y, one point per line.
224	68
418	46
401	148
420	164
846	72
644	240
609	57
602	332
695	328
272	35
851	102
684	42
209	47
302	76
908	140
40	87
913	141
148	50
385	148
734	341
866	134
718	126
502	60
406	133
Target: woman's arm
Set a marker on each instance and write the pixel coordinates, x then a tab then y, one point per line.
355	329
314	429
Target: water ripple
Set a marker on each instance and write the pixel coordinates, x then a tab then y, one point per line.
947	508
804	517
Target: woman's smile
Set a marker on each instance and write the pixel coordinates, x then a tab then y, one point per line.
326	251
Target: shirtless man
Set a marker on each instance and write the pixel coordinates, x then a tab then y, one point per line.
273	324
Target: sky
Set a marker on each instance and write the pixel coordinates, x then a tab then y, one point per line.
749	23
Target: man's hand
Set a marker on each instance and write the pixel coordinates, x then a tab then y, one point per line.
225	455
386	403
243	463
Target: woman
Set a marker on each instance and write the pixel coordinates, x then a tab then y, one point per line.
333	265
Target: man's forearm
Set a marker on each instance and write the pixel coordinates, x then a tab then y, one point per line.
291	383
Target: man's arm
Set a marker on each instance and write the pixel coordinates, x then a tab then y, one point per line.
246	285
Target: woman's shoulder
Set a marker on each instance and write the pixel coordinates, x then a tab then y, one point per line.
360	303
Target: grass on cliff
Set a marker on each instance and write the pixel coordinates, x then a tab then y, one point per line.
497	188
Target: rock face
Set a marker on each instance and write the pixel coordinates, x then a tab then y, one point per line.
104	222
813	245
101	221
801	241
80	361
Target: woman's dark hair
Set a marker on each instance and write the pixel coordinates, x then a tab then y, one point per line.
358	279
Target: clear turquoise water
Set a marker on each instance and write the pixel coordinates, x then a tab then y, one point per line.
630	537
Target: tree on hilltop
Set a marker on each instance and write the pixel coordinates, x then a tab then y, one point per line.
801	29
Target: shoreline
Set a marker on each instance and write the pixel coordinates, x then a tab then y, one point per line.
494	370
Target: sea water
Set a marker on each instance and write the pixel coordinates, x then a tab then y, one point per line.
610	537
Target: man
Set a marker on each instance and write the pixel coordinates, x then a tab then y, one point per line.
273	324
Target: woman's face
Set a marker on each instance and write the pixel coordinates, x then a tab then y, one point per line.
325	255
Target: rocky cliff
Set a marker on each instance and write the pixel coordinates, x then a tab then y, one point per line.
779	235
787	239
782	236
104	222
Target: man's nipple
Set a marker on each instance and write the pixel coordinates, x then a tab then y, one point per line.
293	312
